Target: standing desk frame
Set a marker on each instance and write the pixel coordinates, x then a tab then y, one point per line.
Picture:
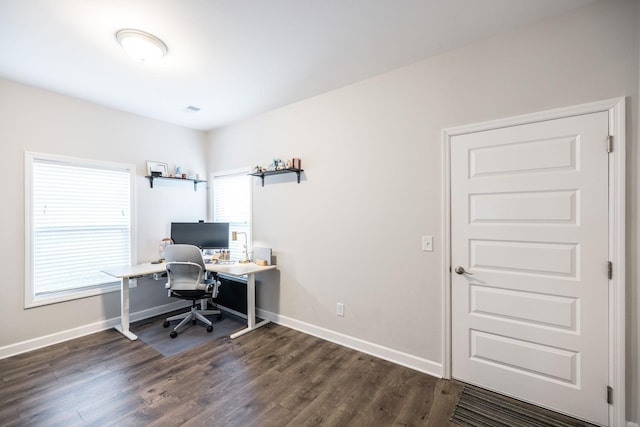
127	272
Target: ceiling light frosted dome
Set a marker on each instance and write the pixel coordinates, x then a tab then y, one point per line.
141	46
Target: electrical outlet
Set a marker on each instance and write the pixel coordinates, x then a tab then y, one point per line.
427	243
340	309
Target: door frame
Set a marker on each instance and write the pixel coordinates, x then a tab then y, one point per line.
616	245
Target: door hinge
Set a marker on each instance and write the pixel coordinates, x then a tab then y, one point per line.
609	395
610	270
610	144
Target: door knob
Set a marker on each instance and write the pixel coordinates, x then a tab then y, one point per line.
461	270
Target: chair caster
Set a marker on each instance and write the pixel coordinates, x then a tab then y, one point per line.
166	324
173	334
209	328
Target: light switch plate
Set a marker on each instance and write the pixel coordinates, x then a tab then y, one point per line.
427	243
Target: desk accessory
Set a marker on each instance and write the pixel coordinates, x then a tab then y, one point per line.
234	237
163	245
262	254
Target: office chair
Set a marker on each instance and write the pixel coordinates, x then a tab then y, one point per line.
186	280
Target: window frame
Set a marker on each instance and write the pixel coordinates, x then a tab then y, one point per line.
30	298
228	173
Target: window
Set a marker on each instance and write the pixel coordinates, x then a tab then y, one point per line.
79	221
232	203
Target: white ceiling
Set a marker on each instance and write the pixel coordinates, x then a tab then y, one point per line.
237	58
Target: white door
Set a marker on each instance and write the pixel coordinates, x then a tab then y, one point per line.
529	226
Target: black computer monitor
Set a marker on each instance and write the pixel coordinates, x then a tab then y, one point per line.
205	235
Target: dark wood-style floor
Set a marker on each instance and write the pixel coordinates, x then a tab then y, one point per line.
274	376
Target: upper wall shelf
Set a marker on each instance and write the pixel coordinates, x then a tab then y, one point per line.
195	181
261	175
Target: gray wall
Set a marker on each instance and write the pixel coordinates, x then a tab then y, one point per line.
350	232
40	121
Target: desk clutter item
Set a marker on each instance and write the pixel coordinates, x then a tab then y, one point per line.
262	256
163	245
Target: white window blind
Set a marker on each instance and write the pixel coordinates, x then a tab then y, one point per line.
232	204
80	222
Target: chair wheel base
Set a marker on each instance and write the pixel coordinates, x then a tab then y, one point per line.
173	334
166	324
209	328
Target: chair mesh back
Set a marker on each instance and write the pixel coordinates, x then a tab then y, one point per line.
185	267
184	253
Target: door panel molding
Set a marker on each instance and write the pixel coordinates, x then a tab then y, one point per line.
616	245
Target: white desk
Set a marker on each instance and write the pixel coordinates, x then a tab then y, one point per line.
127	272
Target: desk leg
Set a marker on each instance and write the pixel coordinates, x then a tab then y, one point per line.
251	309
123	327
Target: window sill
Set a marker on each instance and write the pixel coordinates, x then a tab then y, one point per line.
65	296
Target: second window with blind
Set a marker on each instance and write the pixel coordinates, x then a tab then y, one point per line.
231	202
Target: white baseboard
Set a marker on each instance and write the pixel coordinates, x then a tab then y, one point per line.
419	364
58	337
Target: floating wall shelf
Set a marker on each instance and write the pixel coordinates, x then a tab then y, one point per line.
195	181
261	175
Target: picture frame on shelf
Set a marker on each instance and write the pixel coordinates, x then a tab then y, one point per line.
157	169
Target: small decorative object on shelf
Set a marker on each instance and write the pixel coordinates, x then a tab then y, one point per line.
276	165
157	169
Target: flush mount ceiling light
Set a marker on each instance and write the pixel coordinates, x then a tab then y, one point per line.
141	46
